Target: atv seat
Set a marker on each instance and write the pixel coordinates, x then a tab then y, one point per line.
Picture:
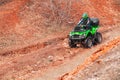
94	21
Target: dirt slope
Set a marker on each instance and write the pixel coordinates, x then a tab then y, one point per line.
40	61
107	67
33	35
28	20
100	52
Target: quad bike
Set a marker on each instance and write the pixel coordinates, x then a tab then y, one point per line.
85	36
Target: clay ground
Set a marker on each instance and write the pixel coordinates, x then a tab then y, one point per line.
48	62
31	51
107	67
78	57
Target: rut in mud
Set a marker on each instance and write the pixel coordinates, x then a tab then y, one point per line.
32	48
103	50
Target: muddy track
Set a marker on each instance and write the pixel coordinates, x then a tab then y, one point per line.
40	45
30	52
33	47
103	50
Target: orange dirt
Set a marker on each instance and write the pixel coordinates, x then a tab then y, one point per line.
102	9
33	34
9	15
103	50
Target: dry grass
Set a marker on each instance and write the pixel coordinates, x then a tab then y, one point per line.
2	2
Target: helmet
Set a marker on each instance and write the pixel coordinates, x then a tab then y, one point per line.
85	16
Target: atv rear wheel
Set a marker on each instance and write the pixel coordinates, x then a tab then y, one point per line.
71	43
88	42
98	38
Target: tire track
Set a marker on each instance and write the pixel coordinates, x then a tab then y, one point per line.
33	47
103	50
38	46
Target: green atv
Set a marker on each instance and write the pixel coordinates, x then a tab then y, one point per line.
87	36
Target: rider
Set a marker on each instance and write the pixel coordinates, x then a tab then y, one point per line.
85	20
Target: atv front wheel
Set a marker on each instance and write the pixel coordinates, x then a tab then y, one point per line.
71	43
88	42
